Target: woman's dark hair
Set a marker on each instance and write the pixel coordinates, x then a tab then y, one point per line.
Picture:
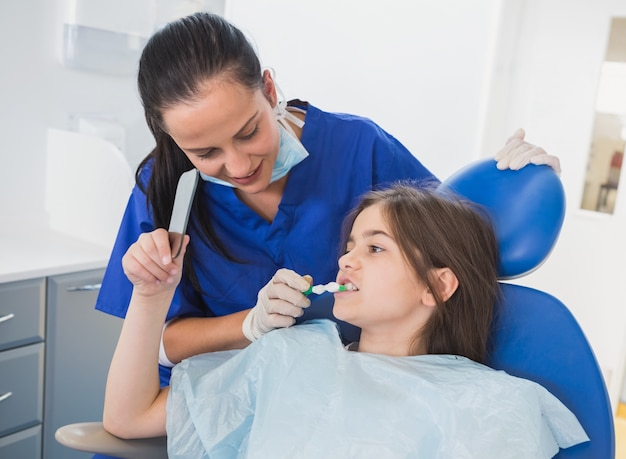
175	63
434	230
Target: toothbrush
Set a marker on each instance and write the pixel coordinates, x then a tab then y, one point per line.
331	287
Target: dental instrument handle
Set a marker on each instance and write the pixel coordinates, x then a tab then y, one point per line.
331	287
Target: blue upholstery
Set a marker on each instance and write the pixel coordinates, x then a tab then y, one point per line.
527	208
536	336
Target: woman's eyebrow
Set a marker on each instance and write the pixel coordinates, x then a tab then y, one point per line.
244	127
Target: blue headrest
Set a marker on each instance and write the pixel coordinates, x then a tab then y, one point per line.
527	208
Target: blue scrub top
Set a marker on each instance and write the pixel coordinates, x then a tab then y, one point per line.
348	156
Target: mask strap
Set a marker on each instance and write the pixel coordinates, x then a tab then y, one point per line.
280	110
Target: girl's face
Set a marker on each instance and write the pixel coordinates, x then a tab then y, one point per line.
389	295
229	132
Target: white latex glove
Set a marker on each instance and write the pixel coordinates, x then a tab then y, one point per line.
278	304
517	153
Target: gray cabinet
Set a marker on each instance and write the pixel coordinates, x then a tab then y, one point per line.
55	350
25	444
79	345
22	307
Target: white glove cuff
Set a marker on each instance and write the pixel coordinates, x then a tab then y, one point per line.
163	360
247	327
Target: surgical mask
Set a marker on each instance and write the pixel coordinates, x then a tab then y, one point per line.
290	152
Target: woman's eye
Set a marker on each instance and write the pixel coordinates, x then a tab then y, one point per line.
251	134
206	155
203	154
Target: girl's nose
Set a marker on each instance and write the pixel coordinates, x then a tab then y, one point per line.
348	261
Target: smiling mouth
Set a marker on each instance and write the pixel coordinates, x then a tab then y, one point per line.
248	178
249	175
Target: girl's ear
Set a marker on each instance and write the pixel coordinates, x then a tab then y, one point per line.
445	281
269	88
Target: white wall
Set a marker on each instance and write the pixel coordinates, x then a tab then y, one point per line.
420	69
37	92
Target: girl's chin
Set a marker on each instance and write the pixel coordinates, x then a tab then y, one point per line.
343	314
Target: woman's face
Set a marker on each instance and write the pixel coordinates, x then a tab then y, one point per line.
389	294
228	132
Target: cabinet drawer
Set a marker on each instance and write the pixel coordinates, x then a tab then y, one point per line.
22	313
23	444
21	388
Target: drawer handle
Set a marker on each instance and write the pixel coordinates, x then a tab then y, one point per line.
85	288
6	318
3	397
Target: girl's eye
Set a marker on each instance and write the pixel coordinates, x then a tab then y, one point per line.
375	249
250	135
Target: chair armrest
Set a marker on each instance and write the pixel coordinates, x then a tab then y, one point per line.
93	438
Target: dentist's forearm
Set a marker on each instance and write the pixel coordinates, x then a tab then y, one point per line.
189	336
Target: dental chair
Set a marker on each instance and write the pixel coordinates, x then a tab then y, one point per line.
535	336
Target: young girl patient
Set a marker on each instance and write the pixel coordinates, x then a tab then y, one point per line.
420	268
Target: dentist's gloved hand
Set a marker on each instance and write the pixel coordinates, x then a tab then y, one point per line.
278	304
517	153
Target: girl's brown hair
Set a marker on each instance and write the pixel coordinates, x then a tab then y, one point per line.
436	230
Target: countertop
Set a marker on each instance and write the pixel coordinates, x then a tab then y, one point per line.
28	249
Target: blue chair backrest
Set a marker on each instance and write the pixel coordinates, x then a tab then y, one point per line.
535	336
